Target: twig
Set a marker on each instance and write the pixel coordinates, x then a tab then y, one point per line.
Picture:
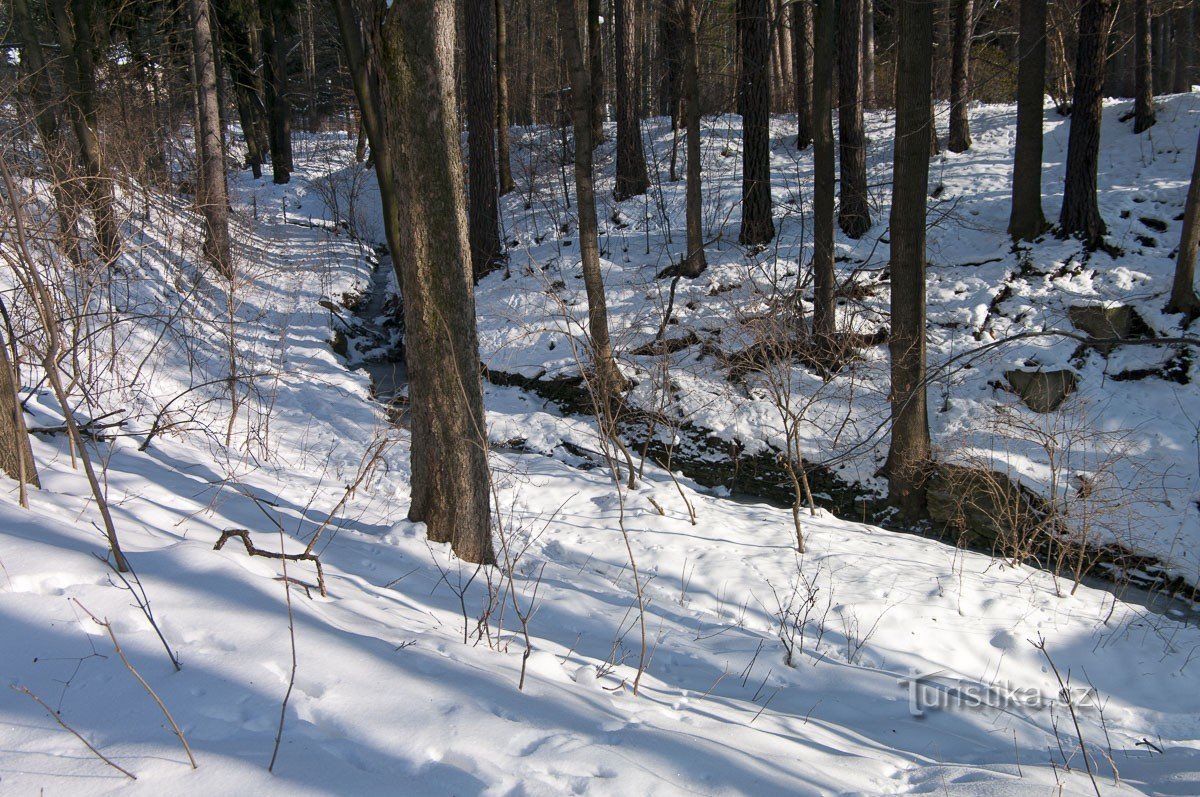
67	727
107	626
252	550
287	591
1066	693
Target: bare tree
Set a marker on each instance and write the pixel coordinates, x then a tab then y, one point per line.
802	63
503	155
608	377
275	16
854	215
694	262
632	178
483	212
909	451
1143	81
868	54
1025	221
16	455
1080	210
960	76
212	196
1183	291
413	41
825	29
595	57
755	101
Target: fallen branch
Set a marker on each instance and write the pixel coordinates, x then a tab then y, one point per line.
74	732
253	550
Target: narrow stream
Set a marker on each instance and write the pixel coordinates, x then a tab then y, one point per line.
374	342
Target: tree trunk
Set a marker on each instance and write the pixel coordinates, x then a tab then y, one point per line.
869	97
1025	221
824	279
211	191
16	455
1143	91
1080	211
450	492
694	262
1183	291
632	179
960	76
608	378
278	100
595	54
757	225
73	26
1183	28
502	115
909	450
803	65
483	213
854	215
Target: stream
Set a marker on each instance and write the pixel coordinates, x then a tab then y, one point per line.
371	338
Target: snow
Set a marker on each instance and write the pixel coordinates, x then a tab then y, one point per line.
388	698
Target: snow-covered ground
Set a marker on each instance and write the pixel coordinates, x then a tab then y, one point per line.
398	685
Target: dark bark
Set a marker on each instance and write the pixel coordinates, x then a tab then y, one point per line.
632	178
824	46
450	492
854	215
1183	36
869	97
802	63
909	450
503	156
483	212
239	25
694	261
1080	211
16	455
1183	291
212	195
959	139
595	55
73	27
276	95
1025	221
608	378
755	89
1143	86
671	46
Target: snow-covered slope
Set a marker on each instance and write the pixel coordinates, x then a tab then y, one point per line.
892	637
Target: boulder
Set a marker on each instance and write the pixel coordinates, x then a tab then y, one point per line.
1042	391
982	508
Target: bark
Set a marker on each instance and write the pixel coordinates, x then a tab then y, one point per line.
632	178
757	226
909	450
16	454
1080	211
1143	83
854	216
608	378
869	97
960	76
73	27
483	213
671	44
277	97
824	44
1026	221
211	191
694	262
803	64
1183	291
503	155
1183	28
239	57
595	54
450	493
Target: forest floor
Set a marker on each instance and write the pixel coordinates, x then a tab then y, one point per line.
877	662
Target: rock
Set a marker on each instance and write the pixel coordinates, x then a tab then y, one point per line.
1119	321
1042	391
982	508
